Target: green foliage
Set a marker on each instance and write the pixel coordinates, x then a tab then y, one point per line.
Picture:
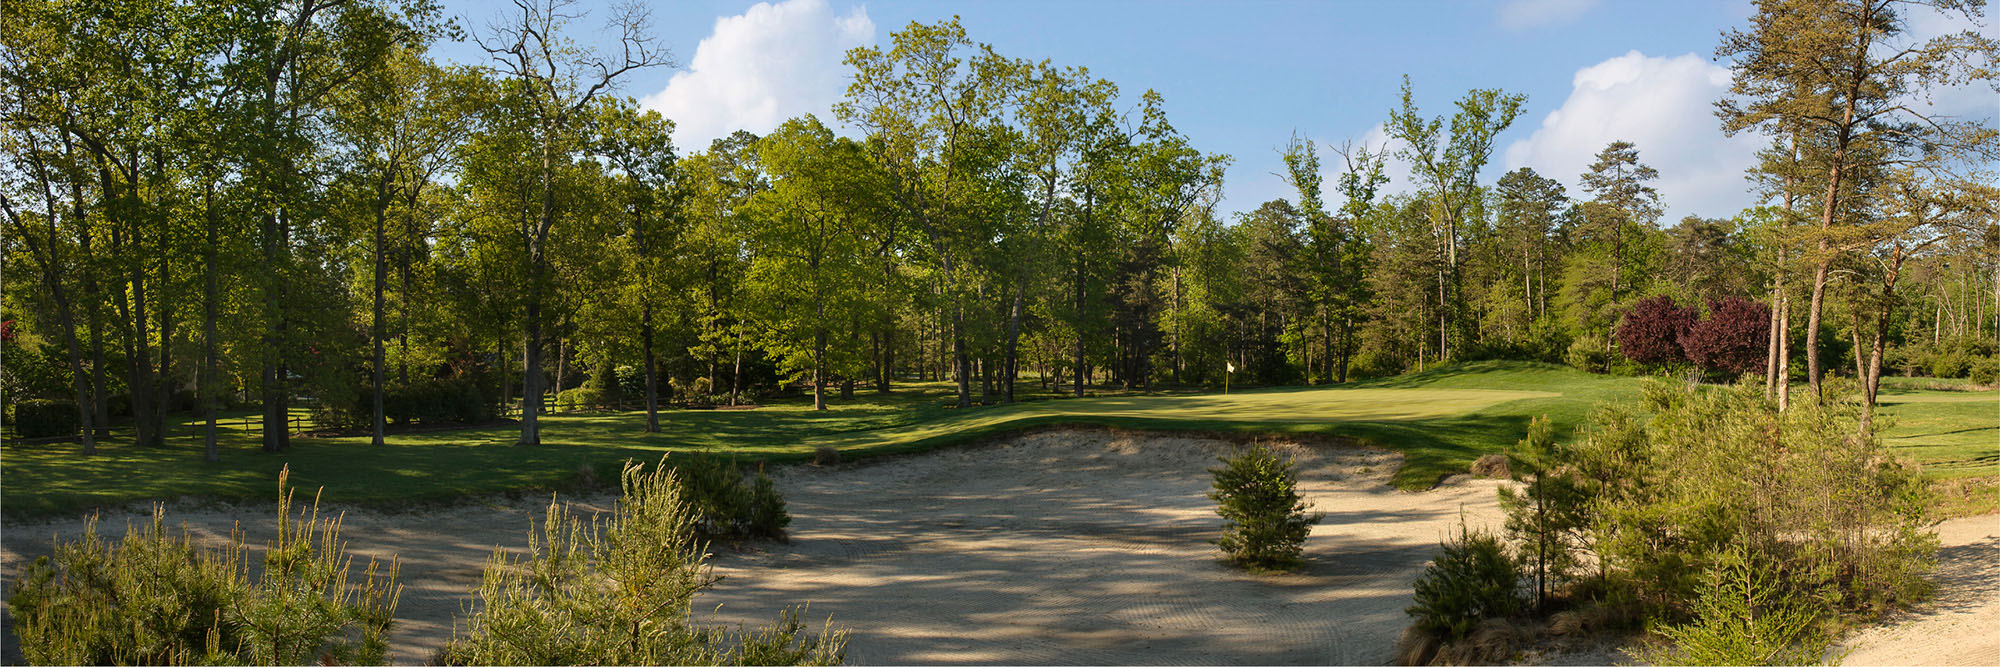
727	505
428	402
581	398
34	372
1549	516
1588	352
1471	579
1746	616
621	594
1257	494
44	418
153	598
1717	467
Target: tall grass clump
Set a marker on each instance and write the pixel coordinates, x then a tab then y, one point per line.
1257	493
620	593
155	598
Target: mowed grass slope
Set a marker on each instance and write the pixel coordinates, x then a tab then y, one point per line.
1441	420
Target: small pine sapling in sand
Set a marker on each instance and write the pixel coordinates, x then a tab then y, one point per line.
1257	493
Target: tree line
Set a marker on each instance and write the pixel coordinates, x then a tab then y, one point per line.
259	203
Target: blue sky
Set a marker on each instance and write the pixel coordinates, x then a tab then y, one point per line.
1241	77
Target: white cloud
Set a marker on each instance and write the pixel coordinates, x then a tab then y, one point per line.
1664	106
1975	101
1524	14
759	68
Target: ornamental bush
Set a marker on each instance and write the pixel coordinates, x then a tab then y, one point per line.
1257	493
1651	331
1732	339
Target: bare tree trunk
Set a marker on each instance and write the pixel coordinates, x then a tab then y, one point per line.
377	328
211	293
1785	354
652	369
1013	341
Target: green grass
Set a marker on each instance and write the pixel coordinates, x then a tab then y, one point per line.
1953	433
1441	420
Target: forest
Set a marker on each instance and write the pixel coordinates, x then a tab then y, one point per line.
213	206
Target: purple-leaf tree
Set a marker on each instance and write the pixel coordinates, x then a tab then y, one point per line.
1651	331
1732	338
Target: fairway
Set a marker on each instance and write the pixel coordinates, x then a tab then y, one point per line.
1440	420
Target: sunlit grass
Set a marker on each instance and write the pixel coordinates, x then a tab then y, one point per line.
1441	420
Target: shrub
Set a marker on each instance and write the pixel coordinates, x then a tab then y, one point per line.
1717	467
725	505
1548	516
1586	353
1257	494
1732	339
156	599
1984	371
1745	617
826	455
578	399
1471	580
46	418
604	378
622	595
1651	331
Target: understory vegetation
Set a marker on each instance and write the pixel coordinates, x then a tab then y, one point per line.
157	599
589	592
621	593
1737	531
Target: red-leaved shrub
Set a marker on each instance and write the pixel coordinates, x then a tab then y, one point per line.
1652	329
1732	339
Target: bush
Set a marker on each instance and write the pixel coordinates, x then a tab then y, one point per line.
156	599
1984	371
1548	517
46	418
1714	468
1471	580
622	595
604	378
1257	494
1745	617
1734	338
725	505
1651	331
578	399
1586	353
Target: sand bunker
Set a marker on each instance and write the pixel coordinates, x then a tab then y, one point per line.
1056	547
1051	547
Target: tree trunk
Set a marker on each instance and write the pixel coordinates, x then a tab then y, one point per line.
276	433
531	372
377	329
652	369
164	380
138	353
1080	296
210	293
1013	341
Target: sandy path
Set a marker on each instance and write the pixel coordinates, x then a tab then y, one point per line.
1056	547
1962	625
